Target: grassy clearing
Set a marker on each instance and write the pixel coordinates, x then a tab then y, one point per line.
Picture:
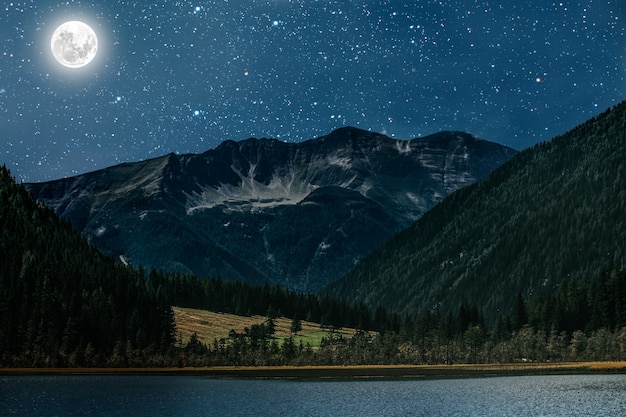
209	326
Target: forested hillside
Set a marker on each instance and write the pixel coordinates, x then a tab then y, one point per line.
62	303
551	213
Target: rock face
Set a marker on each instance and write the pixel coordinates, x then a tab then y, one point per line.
261	210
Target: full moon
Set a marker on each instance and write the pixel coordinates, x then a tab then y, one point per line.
74	44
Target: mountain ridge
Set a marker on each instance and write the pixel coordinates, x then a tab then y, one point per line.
229	211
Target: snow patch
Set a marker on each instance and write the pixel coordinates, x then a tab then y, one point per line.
437	196
249	193
123	260
414	199
341	161
404	147
323	246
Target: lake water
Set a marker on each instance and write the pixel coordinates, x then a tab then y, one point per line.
579	395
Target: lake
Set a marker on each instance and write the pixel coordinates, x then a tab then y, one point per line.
132	395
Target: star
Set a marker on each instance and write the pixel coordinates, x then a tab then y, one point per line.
184	76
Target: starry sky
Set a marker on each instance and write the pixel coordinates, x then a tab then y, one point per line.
183	76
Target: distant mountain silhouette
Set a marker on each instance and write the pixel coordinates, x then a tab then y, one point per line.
261	210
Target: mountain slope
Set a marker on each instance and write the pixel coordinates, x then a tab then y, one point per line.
62	303
553	211
298	214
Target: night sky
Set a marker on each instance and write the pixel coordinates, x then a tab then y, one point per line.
182	76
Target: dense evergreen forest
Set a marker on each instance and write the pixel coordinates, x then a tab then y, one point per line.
62	303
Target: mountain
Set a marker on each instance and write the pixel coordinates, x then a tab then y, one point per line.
551	212
261	210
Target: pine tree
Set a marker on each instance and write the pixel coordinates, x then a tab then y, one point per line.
296	325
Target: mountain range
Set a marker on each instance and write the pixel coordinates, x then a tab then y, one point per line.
264	211
553	213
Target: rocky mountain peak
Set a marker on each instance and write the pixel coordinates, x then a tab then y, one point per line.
263	209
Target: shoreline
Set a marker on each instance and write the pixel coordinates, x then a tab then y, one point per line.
359	372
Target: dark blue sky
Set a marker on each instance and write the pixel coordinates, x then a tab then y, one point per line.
182	76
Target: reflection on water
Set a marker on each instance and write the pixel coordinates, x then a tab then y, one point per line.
578	395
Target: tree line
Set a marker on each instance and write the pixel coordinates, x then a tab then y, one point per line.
583	320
